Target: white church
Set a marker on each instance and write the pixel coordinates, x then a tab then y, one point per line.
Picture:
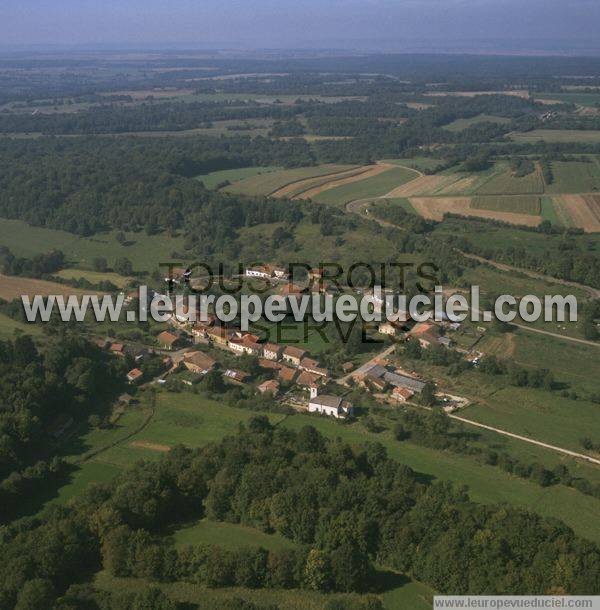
328	405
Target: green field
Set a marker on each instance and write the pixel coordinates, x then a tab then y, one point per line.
229	535
144	251
94	277
267	183
504	182
194	420
8	327
549	211
376	186
461	124
420	163
575	176
557	136
517	204
311	247
579	98
483	235
213	179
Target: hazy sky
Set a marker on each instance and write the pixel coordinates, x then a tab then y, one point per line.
300	23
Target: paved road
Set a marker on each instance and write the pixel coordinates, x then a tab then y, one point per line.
593	292
367	365
526	439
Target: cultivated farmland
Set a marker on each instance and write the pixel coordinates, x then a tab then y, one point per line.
582	211
378	185
557	135
12	287
506	183
575	176
269	183
434	208
515	204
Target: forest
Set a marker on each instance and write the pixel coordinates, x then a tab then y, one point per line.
346	509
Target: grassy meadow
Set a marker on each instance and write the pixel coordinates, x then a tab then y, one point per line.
144	251
462	124
213	179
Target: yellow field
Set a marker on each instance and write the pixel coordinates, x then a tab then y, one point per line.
13	287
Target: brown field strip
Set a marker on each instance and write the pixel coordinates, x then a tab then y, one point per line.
298	187
424	185
12	287
434	208
583	210
370	172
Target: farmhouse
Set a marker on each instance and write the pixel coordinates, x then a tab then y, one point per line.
334	406
272	351
287	374
394	379
246	344
168	340
308	380
118	349
260	271
425	333
378	384
198	362
404	381
402	394
269	364
236	376
312	366
219	335
293	355
134	376
390	328
269	387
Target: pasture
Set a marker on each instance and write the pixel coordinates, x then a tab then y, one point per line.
403	593
195	420
557	136
144	251
94	277
461	124
228	535
213	179
8	327
580	98
12	287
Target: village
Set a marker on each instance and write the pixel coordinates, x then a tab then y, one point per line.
288	373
